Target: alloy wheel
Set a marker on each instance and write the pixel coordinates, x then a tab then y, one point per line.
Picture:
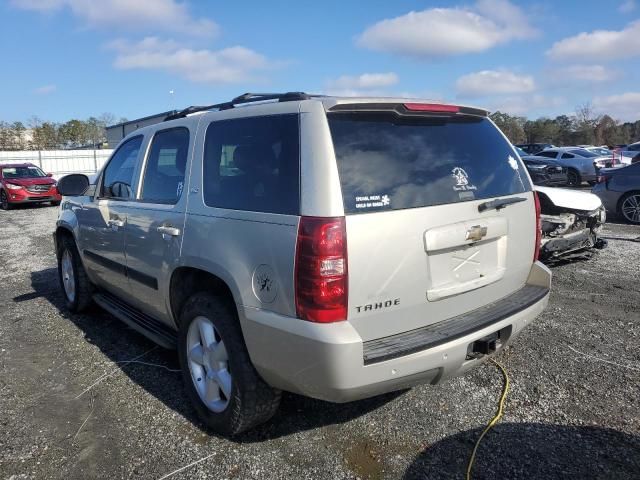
631	208
68	277
209	364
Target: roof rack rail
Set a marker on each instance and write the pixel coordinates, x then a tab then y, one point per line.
244	98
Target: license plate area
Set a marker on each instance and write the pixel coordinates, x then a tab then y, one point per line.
457	263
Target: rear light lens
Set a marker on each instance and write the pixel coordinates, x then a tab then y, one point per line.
602	178
432	107
321	270
536	252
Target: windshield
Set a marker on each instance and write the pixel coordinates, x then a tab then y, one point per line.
583	153
22	172
521	152
388	163
600	151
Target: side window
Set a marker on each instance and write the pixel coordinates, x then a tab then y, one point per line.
568	155
118	176
166	163
253	164
547	154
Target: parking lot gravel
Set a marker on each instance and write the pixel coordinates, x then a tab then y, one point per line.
84	396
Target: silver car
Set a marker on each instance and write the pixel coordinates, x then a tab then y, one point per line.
337	248
581	164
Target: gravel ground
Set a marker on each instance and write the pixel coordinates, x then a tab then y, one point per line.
72	407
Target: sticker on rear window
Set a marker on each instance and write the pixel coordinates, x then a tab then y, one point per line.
372	201
462	180
513	163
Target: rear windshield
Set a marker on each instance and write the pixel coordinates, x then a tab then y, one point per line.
389	163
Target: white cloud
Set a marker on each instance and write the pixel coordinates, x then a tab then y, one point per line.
364	81
45	90
229	65
627	7
440	32
167	15
493	82
624	106
599	45
588	74
527	104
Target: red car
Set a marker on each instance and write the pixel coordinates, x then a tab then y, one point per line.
26	183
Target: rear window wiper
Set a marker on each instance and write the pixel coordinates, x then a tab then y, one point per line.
499	203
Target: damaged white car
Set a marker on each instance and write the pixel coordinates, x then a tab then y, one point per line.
571	222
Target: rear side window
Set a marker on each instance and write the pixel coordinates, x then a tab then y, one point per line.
547	154
388	163
164	175
253	164
118	175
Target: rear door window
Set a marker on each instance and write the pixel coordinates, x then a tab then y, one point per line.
253	164
388	163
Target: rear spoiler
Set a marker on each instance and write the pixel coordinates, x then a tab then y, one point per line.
410	109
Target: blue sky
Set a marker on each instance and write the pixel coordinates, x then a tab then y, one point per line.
65	59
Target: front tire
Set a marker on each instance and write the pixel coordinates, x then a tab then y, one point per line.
74	283
221	382
4	201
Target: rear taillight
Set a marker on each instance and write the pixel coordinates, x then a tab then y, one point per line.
321	270
602	178
536	252
432	107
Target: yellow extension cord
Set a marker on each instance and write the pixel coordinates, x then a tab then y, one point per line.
494	420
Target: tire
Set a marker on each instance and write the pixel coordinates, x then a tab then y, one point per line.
573	178
74	283
629	207
4	201
209	320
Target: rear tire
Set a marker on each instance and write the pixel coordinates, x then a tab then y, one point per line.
74	283
573	178
4	201
216	368
629	207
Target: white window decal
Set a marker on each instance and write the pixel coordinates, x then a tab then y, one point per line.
462	180
372	201
513	163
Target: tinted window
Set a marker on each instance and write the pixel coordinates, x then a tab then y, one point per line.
164	173
253	164
386	163
582	152
547	154
118	176
567	155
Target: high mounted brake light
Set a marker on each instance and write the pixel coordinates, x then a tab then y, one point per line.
321	277
432	107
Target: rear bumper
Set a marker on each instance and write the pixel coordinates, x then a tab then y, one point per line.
331	362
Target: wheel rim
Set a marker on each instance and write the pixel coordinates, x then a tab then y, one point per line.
572	177
631	208
68	277
209	364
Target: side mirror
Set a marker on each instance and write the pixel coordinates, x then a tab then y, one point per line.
73	185
49	174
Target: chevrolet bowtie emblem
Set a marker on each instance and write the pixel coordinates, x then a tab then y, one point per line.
476	233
